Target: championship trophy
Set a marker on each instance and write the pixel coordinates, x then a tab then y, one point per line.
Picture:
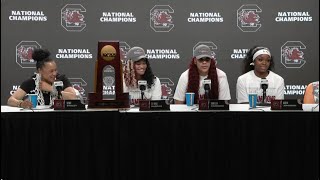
108	78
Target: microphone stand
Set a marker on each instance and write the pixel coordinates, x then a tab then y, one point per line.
142	86
59	95
263	103
206	91
59	92
264	87
264	96
207	94
142	89
142	94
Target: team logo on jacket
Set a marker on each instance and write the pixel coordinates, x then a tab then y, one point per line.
24	52
248	19
211	45
72	17
292	55
124	48
161	18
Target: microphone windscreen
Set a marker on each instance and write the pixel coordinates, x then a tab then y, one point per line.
142	85
58	83
142	82
264	83
207	84
207	81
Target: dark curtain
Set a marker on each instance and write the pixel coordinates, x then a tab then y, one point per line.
59	145
162	145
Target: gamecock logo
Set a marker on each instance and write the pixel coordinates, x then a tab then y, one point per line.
292	54
166	88
72	17
124	48
161	18
79	84
248	18
24	52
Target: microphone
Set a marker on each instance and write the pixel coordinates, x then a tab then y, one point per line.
142	86
58	85
264	86
207	87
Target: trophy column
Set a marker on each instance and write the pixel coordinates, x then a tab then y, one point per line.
108	78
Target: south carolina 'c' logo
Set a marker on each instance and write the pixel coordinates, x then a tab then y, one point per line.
292	55
161	19
72	17
248	19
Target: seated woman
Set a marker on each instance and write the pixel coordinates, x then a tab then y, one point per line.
41	83
311	95
202	66
258	65
138	68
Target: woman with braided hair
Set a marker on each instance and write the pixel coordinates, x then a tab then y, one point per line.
202	66
41	83
138	68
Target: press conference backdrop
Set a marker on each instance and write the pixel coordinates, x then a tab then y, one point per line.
167	30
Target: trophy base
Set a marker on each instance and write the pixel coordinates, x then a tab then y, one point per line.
95	101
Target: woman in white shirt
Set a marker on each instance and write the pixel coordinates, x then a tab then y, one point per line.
258	64
202	66
138	68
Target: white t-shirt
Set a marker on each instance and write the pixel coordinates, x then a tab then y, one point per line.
181	89
250	82
153	93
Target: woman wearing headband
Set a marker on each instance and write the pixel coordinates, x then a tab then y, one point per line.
258	64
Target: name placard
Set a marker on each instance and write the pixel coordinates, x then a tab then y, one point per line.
154	105
60	104
289	104
210	104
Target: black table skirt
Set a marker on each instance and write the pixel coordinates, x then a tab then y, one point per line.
157	146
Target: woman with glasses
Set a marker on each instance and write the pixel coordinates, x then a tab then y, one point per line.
258	64
202	66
